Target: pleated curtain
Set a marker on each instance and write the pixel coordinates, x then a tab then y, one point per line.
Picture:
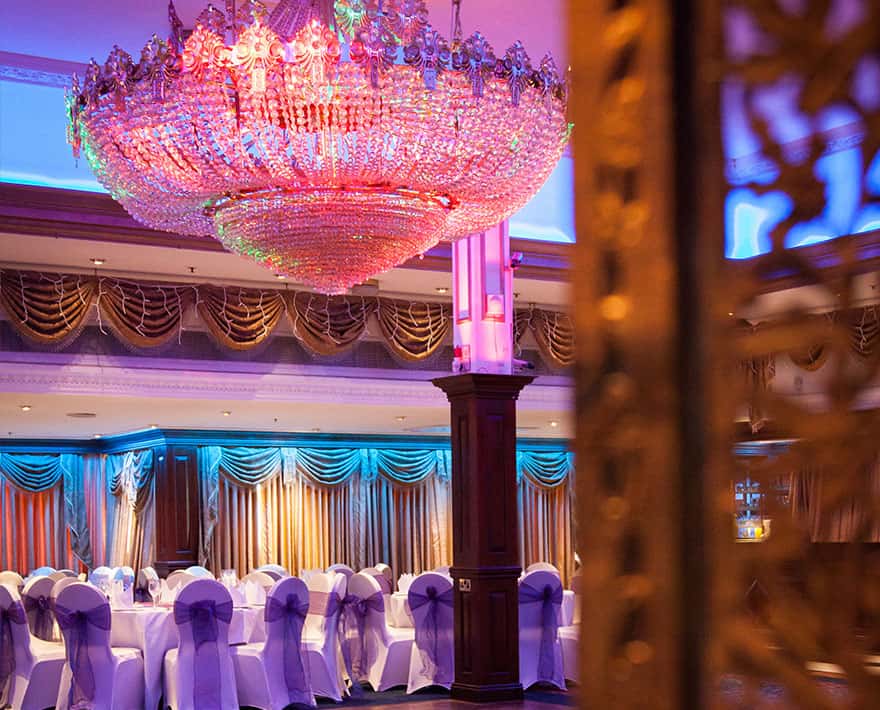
131	512
33	512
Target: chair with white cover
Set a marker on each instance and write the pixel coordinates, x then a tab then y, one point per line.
101	577
384	652
95	676
569	639
384	583
443	569
386	570
178	579
540	612
542	567
199	673
38	602
145	575
199	572
320	641
432	659
12	579
340	568
41	572
273	573
59	585
68	573
272	675
30	669
260	578
274	568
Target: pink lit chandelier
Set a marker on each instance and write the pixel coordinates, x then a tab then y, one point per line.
327	141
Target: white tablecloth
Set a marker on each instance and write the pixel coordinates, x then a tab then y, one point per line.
153	631
398	613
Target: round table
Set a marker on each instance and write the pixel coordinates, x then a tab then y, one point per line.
153	631
397	611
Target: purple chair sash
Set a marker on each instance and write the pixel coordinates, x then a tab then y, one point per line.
202	617
13	614
382	581
330	604
41	616
76	623
550	598
358	610
293	612
428	634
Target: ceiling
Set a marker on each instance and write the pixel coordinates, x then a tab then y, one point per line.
76	31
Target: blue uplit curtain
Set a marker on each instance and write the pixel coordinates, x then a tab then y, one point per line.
250	466
32	472
36	473
329	467
129	515
544	468
209	489
410	466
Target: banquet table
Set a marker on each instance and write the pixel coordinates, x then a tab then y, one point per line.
153	631
398	613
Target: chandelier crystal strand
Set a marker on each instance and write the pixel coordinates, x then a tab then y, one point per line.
328	140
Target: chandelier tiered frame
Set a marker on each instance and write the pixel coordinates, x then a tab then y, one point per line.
329	143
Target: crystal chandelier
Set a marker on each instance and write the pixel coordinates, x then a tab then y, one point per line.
327	141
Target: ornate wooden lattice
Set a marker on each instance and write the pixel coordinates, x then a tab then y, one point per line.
680	615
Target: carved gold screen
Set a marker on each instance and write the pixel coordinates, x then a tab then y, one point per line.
667	98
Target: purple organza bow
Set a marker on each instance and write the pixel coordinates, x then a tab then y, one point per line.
550	598
76	623
202	617
330	604
358	610
13	614
383	582
292	611
428	634
39	611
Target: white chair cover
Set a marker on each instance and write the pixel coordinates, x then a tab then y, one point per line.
142	586
274	568
320	638
274	574
94	675
442	569
340	568
61	584
178	579
274	674
37	600
41	572
432	659
383	653
101	576
30	670
540	612
199	674
199	572
542	567
569	637
386	570
68	573
13	579
384	582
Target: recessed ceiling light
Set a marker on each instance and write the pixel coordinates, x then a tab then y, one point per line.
316	429
442	289
400	419
97	436
554	423
25	407
226	413
730	313
281	277
97	261
154	426
81	415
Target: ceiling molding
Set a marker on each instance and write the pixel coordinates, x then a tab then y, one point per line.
272	385
42	71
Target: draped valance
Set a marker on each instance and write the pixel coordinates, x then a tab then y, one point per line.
544	468
35	472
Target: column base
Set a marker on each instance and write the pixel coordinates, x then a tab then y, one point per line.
486	693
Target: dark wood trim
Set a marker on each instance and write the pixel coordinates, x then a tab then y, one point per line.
71	214
150	438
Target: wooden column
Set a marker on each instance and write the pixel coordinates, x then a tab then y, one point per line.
485	534
177	508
